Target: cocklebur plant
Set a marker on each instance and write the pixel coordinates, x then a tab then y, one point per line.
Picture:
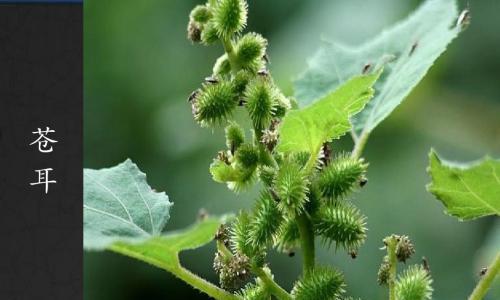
415	282
307	184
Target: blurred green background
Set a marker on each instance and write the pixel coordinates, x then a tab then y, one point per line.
140	68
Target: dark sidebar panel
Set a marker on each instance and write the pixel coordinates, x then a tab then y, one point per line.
41	151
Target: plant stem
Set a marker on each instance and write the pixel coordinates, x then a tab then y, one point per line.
306	242
391	243
203	285
231	56
271	285
180	272
224	251
360	144
485	283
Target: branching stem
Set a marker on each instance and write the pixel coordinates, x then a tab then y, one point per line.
271	286
231	56
484	284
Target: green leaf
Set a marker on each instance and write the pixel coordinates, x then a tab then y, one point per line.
123	214
163	251
326	119
407	51
119	205
468	191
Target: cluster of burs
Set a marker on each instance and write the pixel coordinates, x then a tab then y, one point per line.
296	204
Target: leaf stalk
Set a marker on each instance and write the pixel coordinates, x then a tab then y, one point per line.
203	285
360	144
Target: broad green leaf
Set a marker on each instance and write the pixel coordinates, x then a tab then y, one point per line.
467	191
163	251
123	214
328	118
407	51
119	205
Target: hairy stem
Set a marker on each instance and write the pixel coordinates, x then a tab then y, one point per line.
306	242
484	284
360	145
231	55
203	285
180	272
391	244
271	286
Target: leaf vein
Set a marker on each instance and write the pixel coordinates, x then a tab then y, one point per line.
153	231
115	217
477	196
114	196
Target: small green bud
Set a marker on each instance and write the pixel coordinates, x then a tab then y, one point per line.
194	32
283	105
288	236
315	200
222	172
301	158
215	103
404	248
235	136
414	284
247	178
230	16
249	51
260	103
341	223
265	155
200	14
322	283
259	259
291	187
266	220
240	237
247	156
222	66
241	80
209	34
384	272
279	157
267	175
341	176
254	292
